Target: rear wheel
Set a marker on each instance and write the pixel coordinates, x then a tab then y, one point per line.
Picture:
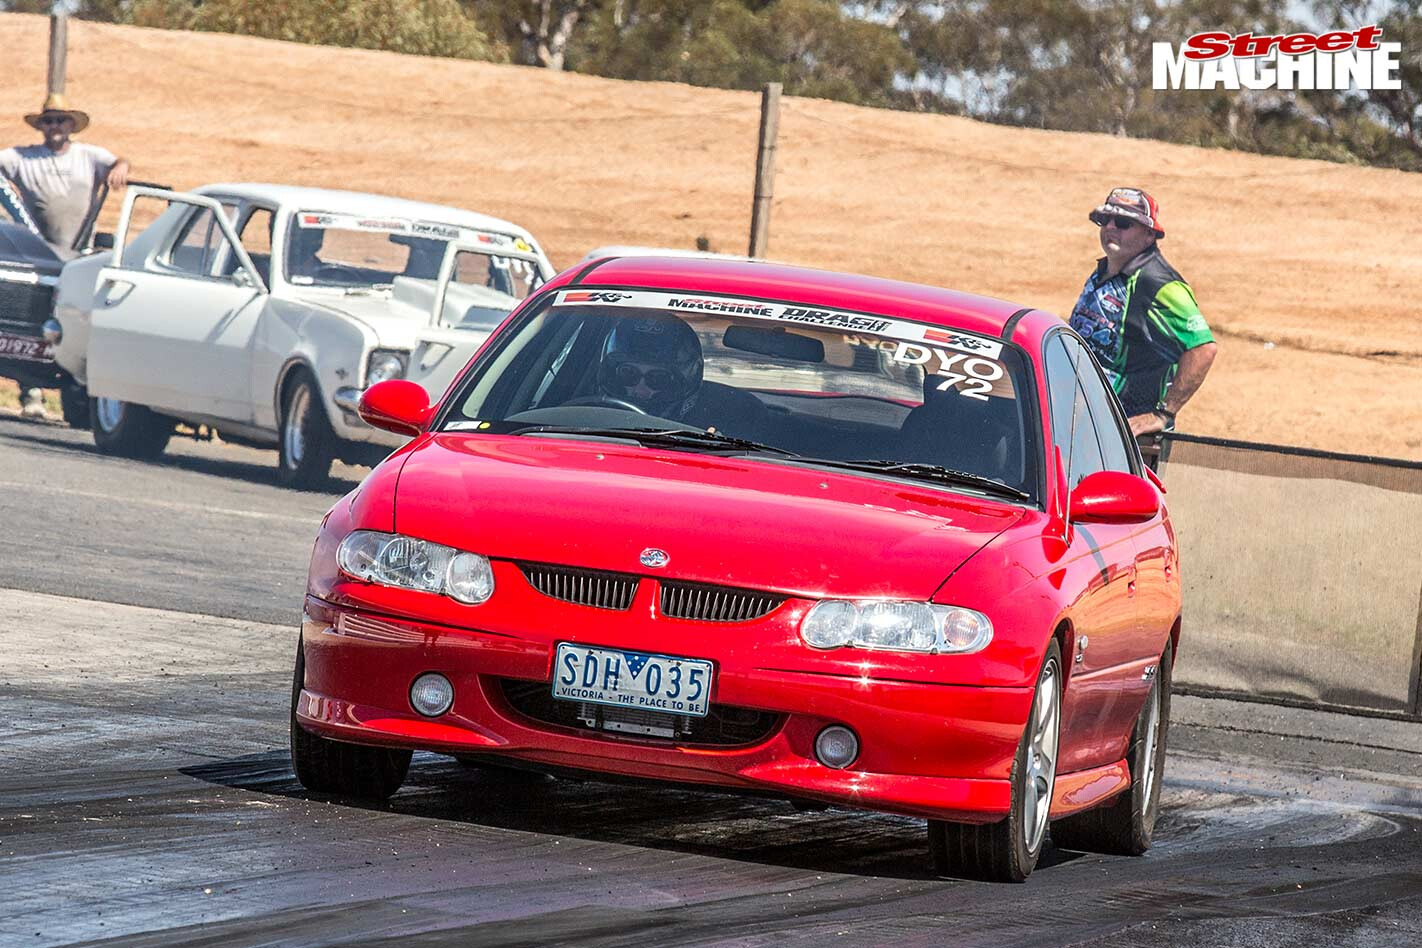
128	430
308	445
334	767
1008	850
1125	826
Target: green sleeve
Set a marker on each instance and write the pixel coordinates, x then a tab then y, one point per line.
1176	309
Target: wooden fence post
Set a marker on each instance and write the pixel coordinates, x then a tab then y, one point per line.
765	169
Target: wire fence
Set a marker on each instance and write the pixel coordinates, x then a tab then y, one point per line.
1302	574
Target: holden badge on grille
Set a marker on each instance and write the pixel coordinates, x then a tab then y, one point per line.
653	558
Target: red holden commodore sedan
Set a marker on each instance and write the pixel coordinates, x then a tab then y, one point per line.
739	525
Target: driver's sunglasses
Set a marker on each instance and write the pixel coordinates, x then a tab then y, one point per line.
658	380
1120	223
52	121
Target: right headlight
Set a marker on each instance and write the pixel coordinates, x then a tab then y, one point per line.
385	364
895	625
409	563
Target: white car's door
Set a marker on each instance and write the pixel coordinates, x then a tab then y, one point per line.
171	328
478	287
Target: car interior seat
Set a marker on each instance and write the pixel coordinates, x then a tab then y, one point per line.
956	431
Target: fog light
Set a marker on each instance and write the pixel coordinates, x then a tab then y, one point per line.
431	694
836	747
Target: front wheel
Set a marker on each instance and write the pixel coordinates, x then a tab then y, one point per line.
308	445
1008	850
1125	826
347	770
128	430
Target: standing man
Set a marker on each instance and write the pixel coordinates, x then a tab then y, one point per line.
57	180
1139	317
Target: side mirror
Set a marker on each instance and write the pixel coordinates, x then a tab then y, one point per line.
1113	497
104	241
397	405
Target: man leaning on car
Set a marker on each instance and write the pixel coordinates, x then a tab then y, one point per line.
1139	316
56	180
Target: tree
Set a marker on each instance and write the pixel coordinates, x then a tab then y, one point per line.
540	30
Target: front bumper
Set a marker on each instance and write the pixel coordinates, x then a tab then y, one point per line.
927	750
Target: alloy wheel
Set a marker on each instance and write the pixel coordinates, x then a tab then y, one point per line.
1041	758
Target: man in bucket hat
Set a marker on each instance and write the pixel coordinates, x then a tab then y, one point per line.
57	179
1139	316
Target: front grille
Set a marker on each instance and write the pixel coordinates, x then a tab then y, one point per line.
723	726
586	587
24	307
715	603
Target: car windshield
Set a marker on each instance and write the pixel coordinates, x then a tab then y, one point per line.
347	250
797	384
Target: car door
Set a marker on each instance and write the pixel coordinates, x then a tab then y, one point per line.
170	329
478	287
1101	562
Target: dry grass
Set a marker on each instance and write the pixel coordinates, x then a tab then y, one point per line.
1318	259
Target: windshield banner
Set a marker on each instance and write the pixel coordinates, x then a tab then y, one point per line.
313	220
788	313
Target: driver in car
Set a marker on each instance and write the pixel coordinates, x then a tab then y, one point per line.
654	365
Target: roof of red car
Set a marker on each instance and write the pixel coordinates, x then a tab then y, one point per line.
826	288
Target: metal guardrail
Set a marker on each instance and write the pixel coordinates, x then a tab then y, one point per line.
1302	572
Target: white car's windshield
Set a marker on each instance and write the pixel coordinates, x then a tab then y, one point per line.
805	384
348	250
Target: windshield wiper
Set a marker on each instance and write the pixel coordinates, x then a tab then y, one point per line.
929	472
667	437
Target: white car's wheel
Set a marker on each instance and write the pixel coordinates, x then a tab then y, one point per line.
308	445
128	430
1008	850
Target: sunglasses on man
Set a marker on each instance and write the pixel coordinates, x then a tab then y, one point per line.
52	121
1120	223
658	380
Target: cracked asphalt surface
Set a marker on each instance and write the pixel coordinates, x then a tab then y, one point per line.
146	797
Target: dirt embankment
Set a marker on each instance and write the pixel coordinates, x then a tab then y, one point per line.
1309	271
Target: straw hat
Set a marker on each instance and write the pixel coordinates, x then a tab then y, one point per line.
56	103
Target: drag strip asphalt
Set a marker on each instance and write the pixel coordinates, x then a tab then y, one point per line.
147	630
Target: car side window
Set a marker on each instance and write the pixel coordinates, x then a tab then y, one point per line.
198	246
1115	451
256	237
1073	430
1061	392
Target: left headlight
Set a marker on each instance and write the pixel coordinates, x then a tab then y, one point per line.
385	364
896	626
408	563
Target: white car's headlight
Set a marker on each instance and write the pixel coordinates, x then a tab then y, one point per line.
407	563
385	364
897	626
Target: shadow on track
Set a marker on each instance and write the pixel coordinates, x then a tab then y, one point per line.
724	825
44	438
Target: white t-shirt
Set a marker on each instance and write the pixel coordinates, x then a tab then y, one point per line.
57	189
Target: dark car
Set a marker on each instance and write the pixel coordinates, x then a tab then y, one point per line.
29	272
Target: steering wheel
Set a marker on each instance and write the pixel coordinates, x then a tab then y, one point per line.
336	272
607	401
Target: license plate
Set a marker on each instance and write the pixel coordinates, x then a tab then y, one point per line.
25	347
637	680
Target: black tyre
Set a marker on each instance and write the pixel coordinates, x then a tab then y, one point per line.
1125	826
337	768
1008	850
128	430
308	445
74	404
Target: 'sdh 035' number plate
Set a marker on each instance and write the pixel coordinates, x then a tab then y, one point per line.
637	680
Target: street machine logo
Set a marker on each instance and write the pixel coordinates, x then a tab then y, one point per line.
1343	59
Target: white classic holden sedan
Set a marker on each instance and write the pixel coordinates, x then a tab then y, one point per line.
264	311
